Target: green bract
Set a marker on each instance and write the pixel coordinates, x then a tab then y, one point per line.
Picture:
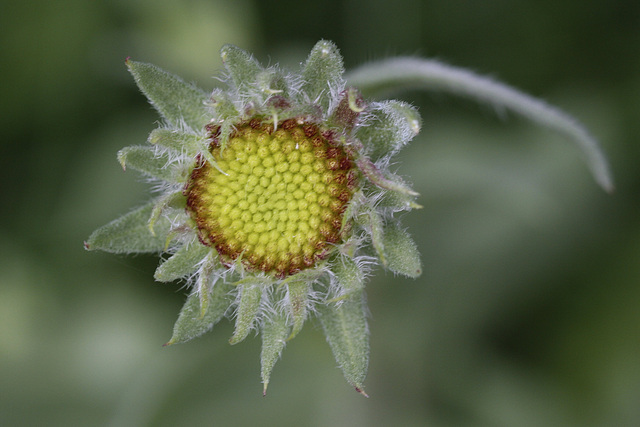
276	199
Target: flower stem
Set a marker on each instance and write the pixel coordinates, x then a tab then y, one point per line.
402	73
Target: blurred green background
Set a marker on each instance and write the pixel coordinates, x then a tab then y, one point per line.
528	311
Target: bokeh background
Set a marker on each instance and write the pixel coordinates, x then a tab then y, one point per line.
528	311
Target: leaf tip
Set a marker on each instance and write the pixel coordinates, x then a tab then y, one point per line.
224	51
361	391
130	64
122	159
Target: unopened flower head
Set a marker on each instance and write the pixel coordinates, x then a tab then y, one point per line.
275	201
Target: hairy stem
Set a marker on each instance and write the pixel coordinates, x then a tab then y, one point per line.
401	73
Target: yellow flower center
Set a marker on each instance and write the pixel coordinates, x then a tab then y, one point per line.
279	204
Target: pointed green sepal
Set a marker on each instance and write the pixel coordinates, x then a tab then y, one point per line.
192	322
223	104
176	200
183	263
401	251
271	81
391	125
386	181
275	331
184	142
322	72
352	210
181	142
349	276
396	202
148	161
373	223
177	101
298	296
248	306
130	233
206	280
241	65
345	326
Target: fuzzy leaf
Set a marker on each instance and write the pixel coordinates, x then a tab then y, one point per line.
345	327
223	105
396	202
298	296
387	181
186	143
130	233
206	281
322	73
192	322
275	331
241	65
177	101
392	124
175	200
182	142
272	81
182	263
147	161
401	252
349	276
250	297
374	224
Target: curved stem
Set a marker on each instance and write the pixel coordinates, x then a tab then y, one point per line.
402	73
